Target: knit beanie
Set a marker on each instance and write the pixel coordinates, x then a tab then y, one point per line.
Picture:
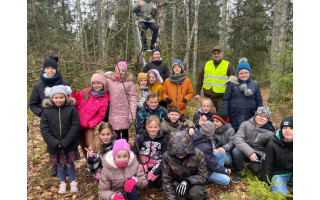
121	63
51	62
287	122
59	89
207	128
177	62
264	110
156	72
243	64
156	49
221	115
119	145
142	75
100	78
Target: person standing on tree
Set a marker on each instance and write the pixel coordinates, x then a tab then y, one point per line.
146	12
50	77
213	76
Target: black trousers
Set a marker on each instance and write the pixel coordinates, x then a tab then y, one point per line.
240	159
125	134
154	28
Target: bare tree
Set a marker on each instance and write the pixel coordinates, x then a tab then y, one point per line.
161	20
174	31
101	31
80	29
223	23
195	47
36	29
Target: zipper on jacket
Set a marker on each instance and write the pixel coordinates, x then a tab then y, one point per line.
181	89
60	126
257	137
177	95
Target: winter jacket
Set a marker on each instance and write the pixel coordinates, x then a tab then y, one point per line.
158	65
223	137
119	112
37	96
60	126
167	126
113	178
278	157
94	164
251	139
93	111
156	88
145	13
143	93
152	149
197	116
144	114
204	144
176	92
192	167
241	108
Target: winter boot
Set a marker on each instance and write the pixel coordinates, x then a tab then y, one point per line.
62	188
152	46
54	170
237	178
73	186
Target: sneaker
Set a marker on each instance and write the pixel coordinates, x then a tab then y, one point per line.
73	186
152	47
88	172
54	170
237	178
62	188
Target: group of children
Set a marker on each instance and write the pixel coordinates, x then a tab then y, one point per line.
168	150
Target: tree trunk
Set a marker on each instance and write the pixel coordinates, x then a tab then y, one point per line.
80	29
161	21
174	31
64	19
36	29
101	31
186	57
195	48
223	23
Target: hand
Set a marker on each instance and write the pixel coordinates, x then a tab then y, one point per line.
191	131
221	150
229	171
197	97
91	153
97	176
168	100
253	157
129	185
183	187
118	197
204	118
75	95
141	3
214	150
200	122
154	6
184	123
184	100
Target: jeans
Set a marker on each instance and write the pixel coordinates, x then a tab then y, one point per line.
154	28
281	183
219	178
133	195
224	159
239	160
62	172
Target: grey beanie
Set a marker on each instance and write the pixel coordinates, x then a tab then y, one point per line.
207	128
264	110
59	89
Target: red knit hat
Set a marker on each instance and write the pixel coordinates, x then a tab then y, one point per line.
221	115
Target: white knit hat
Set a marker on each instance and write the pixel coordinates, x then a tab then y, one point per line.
59	89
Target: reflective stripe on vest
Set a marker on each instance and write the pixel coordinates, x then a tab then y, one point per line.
215	78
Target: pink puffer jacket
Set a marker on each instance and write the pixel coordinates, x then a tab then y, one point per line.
119	113
112	178
92	111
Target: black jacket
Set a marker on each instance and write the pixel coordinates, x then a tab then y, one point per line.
158	65
278	157
52	119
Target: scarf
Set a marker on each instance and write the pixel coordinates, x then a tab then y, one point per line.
177	79
56	80
157	62
100	93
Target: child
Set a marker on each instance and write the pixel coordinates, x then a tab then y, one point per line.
92	105
121	90
151	145
173	123
50	77
59	127
177	89
277	165
154	83
184	172
151	107
204	113
223	138
201	140
101	145
121	174
242	96
142	90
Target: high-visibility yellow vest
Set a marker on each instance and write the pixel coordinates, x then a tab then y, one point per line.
215	77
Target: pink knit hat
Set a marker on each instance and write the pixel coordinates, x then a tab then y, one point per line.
119	145
100	78
121	63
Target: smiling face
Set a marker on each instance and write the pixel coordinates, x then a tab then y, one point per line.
152	78
206	106
50	71
153	103
156	55
217	55
59	99
261	120
122	71
143	82
243	74
217	123
105	135
121	156
176	69
173	116
97	86
287	133
153	128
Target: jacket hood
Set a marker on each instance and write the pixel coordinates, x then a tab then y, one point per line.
109	161
47	103
223	128
129	77
180	143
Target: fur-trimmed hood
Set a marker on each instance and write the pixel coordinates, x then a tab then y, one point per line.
47	103
109	161
232	79
129	77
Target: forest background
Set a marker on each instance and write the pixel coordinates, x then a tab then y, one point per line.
244	20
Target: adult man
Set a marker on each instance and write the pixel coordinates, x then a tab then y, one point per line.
213	76
146	12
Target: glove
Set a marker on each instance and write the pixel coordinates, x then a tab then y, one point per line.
129	185
183	187
118	197
184	100
87	126
75	95
152	177
168	100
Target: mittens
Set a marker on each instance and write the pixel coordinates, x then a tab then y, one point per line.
118	197
183	187
168	100
75	95
184	100
129	185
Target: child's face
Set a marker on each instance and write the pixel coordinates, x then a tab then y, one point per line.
156	55
173	116
176	69
50	71
243	74
59	99
105	135
261	120
121	156
97	86
217	123
287	133
122	71
206	106
152	78
152	128
181	156
143	82
153	103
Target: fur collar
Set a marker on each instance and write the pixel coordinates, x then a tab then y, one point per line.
110	163
232	79
129	77
47	103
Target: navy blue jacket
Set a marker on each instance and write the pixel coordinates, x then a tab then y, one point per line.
241	108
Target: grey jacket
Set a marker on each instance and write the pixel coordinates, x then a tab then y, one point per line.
223	137
145	13
251	139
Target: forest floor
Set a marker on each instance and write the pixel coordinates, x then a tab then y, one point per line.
41	186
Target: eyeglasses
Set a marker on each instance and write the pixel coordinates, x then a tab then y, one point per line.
261	116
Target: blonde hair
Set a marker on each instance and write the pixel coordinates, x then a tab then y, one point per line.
96	146
213	109
138	91
152	118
